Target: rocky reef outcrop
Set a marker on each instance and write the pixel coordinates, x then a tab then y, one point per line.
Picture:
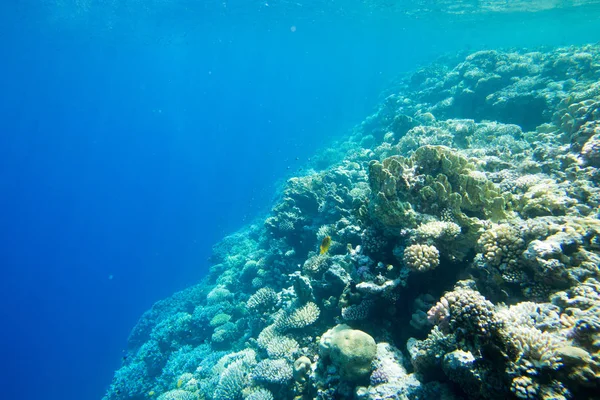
464	258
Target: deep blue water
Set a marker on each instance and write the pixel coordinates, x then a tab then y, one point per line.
133	138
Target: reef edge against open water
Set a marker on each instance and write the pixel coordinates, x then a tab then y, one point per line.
449	248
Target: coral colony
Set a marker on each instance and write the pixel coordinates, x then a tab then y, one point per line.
448	249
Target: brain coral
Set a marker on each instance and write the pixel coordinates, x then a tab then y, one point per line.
352	351
301	368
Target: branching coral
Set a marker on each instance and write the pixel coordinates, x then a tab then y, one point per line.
232	381
233	372
534	350
260	394
426	355
357	312
262	300
277	371
177	395
299	318
282	347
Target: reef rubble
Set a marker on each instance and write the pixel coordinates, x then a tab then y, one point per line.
464	256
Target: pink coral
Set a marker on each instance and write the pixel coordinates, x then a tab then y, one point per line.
439	313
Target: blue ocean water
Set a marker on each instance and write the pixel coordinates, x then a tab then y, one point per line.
135	135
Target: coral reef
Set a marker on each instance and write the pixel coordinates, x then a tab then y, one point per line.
449	247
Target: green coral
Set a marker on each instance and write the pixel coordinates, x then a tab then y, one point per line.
220	319
433	180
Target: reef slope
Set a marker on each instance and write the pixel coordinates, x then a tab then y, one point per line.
464	256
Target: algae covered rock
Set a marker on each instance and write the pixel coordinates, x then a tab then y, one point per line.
350	350
390	379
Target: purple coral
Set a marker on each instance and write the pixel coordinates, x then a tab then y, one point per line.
378	377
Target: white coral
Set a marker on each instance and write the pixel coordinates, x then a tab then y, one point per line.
263	298
536	349
299	318
438	230
283	347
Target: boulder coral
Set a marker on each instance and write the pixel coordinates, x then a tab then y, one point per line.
350	350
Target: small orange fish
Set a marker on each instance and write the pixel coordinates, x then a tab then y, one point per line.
325	243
